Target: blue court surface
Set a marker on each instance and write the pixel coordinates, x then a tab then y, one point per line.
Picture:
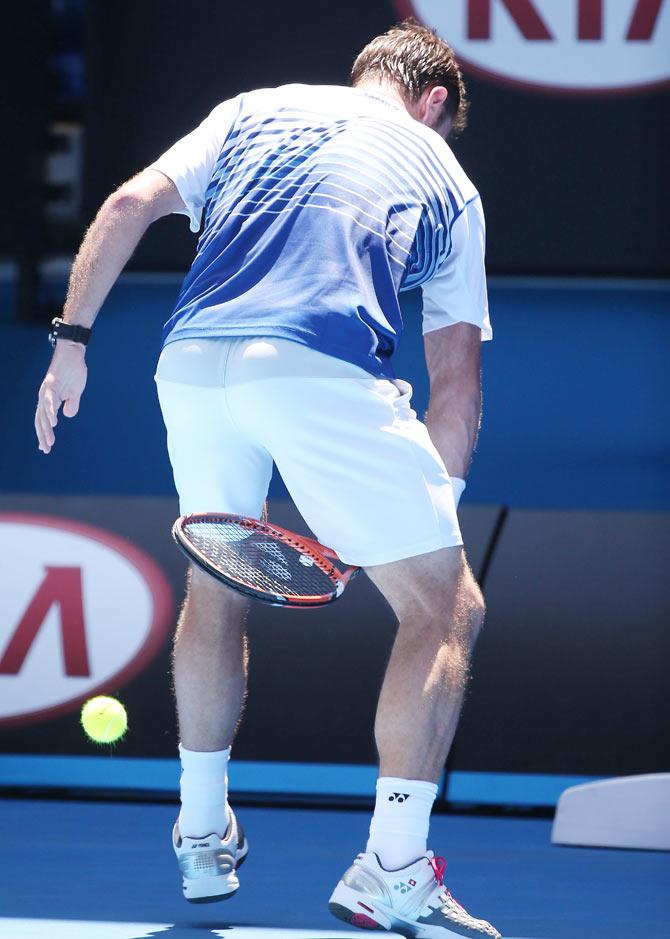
86	870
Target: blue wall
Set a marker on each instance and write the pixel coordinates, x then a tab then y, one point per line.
575	384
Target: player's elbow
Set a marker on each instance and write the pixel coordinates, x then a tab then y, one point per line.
134	199
126	202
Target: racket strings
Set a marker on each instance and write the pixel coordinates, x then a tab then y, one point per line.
260	560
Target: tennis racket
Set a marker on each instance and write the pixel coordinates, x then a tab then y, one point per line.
262	560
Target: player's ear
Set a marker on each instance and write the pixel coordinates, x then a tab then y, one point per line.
438	95
435	98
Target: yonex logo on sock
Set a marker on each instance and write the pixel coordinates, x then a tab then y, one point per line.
399	797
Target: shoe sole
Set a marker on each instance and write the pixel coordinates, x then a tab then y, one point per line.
220	897
217	899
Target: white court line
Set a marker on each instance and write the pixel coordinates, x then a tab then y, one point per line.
87	929
78	929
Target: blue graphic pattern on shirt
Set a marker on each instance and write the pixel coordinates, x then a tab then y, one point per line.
314	222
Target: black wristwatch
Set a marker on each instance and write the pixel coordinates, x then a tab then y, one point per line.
61	330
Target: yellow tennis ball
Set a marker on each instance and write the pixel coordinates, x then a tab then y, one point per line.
104	719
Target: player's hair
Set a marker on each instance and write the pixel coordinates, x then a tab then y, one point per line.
414	58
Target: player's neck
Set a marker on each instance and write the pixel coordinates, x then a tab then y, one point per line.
386	90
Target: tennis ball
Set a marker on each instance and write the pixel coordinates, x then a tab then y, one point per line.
104	719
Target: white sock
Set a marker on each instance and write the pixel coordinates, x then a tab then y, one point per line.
204	792
399	827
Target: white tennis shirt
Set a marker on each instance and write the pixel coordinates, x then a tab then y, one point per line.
321	205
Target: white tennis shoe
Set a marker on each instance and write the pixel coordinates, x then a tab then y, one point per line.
209	865
412	901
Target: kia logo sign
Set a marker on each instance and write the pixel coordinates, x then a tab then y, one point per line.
81	611
564	46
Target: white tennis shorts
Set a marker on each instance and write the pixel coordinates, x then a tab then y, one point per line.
357	462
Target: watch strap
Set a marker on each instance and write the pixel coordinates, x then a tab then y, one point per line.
62	330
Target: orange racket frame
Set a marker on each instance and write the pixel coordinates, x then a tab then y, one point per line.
337	572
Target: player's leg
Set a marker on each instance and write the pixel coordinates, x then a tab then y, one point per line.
209	663
440	610
397	883
216	468
209	673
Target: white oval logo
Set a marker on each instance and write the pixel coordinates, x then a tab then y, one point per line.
567	46
81	611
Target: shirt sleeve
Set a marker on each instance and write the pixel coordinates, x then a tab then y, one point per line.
457	292
190	162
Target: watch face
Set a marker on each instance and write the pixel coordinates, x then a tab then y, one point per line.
53	334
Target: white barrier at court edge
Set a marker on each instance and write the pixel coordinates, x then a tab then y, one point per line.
627	812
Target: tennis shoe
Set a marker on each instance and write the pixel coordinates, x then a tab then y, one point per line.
412	901
209	865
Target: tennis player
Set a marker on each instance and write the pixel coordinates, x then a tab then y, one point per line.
317	207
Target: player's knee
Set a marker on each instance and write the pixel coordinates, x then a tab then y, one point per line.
457	608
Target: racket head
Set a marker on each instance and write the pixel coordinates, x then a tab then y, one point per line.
263	561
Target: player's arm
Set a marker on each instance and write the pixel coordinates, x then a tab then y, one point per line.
108	244
176	182
455	320
110	241
453	357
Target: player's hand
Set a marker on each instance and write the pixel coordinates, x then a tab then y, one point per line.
63	384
